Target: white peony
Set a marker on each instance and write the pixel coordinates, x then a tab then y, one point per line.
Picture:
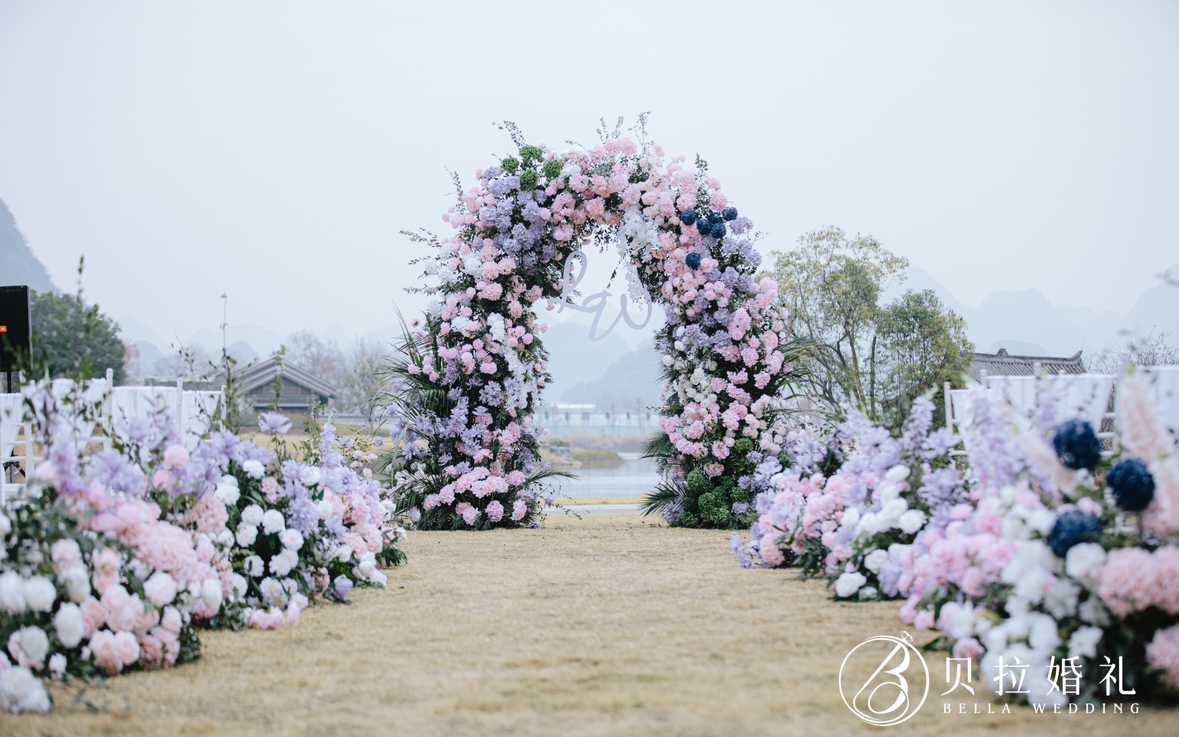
252	515
240	585
869	525
254	566
889	491
5	525
33	643
342	553
21	691
868	592
1084	562
1042	520
211	594
70	624
273	522
874	560
12	593
848	584
246	535
254	469
227	491
309	476
40	593
896	474
893	509
851	517
911	521
77	583
324	507
1092	611
225	537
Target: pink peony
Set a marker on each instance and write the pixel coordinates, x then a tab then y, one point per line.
1163	654
495	511
519	509
126	647
208	515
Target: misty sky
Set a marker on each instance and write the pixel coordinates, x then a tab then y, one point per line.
274	150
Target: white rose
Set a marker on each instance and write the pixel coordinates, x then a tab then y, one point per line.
70	624
343	553
868	592
40	593
849	583
291	539
869	525
246	535
254	469
897	474
227	491
77	583
280	566
911	521
12	593
254	566
875	559
273	522
252	515
21	691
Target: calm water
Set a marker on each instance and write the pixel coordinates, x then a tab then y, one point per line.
636	477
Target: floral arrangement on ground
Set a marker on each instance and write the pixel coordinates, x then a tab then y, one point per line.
116	559
1047	560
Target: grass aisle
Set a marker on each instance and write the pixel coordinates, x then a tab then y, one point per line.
598	626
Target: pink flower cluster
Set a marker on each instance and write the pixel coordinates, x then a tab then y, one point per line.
1134	579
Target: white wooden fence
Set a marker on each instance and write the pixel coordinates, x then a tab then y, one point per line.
115	407
1089	397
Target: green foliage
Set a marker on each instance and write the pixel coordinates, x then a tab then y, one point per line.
865	356
71	339
922	345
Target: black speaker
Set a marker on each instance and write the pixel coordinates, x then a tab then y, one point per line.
16	325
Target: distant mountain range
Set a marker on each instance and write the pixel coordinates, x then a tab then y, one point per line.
18	265
1025	323
623	366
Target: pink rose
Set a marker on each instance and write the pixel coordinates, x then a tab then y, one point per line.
171	621
160	588
93	614
169	643
102	645
968	648
923	620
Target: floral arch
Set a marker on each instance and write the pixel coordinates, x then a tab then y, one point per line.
474	367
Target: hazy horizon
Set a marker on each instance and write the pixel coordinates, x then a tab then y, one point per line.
273	151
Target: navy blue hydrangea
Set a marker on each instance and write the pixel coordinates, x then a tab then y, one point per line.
1077	445
688	217
693	260
718	230
1132	485
713	219
729	213
1072	528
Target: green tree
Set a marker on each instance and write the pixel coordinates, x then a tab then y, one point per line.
920	346
864	356
73	339
830	285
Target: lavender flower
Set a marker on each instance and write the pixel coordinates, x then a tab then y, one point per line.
274	423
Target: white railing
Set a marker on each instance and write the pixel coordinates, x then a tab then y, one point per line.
1085	396
115	408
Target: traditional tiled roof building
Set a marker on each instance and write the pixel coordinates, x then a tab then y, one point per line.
1004	364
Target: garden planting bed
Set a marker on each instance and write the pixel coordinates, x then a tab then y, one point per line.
607	624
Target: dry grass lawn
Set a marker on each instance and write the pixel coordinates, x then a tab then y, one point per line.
598	626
